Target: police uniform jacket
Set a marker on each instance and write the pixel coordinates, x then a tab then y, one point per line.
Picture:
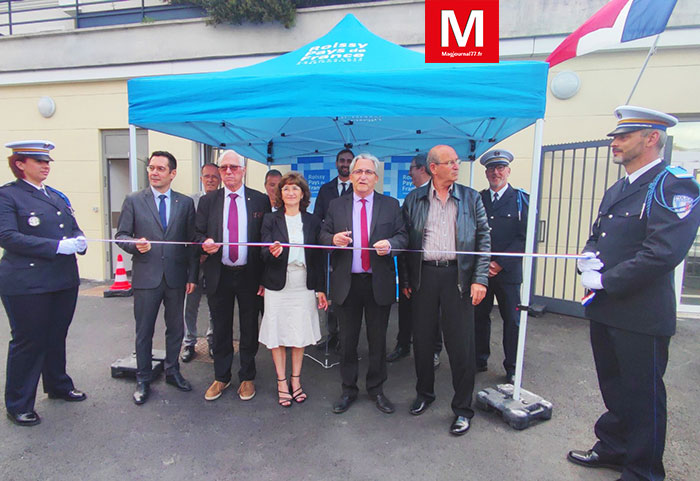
508	231
31	226
639	252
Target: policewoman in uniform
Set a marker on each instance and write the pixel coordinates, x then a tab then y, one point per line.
38	281
506	209
647	222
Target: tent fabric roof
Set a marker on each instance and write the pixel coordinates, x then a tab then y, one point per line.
347	88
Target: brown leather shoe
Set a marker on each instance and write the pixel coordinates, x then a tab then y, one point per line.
246	391
215	390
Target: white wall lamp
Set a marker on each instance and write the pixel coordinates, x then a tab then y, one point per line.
565	84
46	106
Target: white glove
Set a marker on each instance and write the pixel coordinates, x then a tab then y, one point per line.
590	263
592	280
68	246
82	243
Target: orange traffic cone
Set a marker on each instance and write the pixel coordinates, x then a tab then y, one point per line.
121	286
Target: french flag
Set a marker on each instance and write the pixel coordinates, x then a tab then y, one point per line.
617	22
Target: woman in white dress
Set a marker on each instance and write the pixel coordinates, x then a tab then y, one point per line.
294	281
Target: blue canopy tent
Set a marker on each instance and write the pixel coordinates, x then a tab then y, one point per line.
350	88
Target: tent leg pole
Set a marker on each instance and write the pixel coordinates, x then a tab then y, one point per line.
133	159
529	249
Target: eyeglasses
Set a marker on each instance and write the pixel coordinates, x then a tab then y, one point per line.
450	163
496	168
366	172
232	168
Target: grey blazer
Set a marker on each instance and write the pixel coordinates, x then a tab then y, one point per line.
178	263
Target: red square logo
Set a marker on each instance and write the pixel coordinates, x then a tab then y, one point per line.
461	31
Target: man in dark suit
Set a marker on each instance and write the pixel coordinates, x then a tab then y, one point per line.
162	273
506	209
363	281
442	218
226	218
646	224
340	185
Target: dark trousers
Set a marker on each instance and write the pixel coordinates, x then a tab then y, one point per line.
235	285
361	301
630	369
39	325
146	305
403	338
508	295
438	294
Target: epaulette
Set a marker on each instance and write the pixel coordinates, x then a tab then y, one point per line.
679	172
8	184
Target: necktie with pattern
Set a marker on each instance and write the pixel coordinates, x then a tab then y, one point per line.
233	228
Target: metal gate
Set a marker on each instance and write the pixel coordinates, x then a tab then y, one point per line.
573	179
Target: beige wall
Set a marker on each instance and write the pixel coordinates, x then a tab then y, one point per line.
82	111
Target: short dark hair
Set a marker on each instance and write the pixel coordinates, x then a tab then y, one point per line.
272	173
16	171
294	178
421	160
337	156
172	162
207	164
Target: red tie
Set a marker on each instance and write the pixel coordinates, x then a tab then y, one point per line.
233	227
364	236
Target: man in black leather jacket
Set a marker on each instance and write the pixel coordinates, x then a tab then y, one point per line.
441	218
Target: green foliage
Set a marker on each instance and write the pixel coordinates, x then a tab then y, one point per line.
239	11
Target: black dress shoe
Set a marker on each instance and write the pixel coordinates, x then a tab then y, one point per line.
187	354
383	403
591	459
143	389
419	406
176	379
436	360
72	396
399	352
343	404
459	426
24	419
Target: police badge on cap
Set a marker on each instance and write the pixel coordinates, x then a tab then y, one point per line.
496	157
631	118
36	149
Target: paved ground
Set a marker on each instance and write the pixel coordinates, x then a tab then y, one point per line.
181	436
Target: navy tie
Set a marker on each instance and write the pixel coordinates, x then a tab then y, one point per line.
161	211
625	184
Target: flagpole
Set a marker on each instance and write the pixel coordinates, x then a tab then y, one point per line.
652	50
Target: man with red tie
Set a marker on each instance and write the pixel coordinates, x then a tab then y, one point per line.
225	218
363	281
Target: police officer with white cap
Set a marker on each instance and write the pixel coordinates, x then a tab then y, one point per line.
38	280
646	223
506	208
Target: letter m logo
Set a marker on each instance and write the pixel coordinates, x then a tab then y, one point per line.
461	31
449	23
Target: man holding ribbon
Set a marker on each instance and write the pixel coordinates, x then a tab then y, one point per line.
363	280
442	218
227	220
647	222
163	271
